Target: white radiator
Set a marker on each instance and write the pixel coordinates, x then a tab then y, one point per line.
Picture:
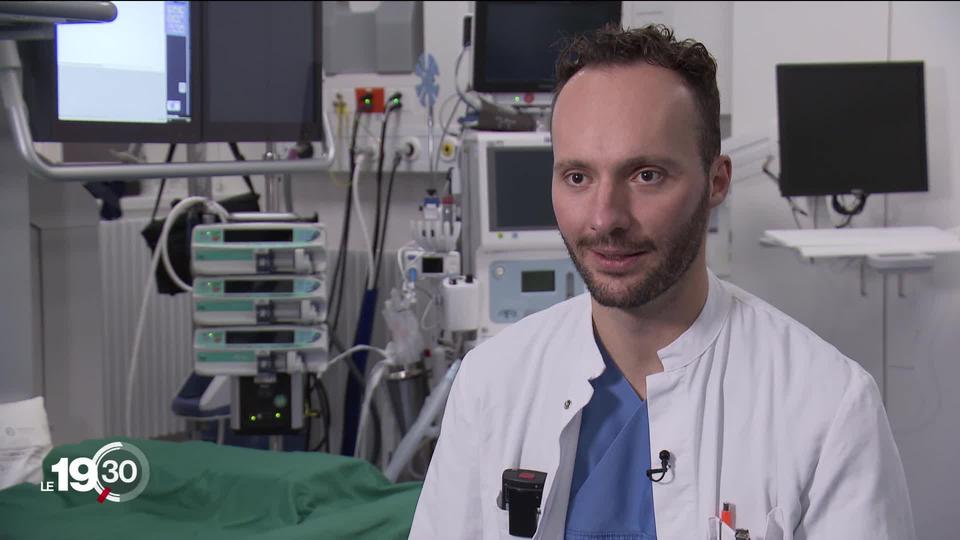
165	351
166	356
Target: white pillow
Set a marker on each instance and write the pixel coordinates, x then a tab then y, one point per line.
24	441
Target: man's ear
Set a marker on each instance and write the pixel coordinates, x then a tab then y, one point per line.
720	174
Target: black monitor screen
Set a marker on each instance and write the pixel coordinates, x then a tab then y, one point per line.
851	127
538	281
234	286
520	189
134	69
128	80
262	76
257	235
248	337
517	43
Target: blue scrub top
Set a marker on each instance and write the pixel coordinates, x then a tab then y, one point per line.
611	497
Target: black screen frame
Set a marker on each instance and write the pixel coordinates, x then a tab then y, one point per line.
481	82
798	188
40	86
268	132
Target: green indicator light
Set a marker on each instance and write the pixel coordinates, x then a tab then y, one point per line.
367	101
277	416
253	418
516	99
396	101
210	334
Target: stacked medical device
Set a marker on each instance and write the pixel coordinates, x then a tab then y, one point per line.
259	312
510	239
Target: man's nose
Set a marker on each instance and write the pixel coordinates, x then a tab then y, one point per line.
611	207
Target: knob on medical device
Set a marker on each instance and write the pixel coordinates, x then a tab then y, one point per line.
302	261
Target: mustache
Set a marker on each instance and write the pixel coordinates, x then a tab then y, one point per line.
618	244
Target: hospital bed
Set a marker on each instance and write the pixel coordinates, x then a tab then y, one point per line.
202	490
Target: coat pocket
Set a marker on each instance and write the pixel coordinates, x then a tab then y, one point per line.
718	530
773	529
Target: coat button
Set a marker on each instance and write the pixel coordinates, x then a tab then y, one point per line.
566	404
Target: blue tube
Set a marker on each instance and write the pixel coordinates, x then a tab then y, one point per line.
354	397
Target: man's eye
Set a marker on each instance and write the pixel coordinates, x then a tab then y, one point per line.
576	178
649	176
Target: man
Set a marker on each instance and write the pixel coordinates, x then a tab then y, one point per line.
662	366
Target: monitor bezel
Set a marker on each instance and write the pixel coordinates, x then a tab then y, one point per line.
40	89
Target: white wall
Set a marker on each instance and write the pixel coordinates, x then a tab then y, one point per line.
17	374
70	299
921	340
924	345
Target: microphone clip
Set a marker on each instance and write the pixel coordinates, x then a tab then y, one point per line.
662	470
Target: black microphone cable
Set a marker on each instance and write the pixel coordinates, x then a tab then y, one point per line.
664	466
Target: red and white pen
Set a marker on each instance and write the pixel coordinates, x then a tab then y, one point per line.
726	515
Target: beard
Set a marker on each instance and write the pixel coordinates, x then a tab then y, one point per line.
672	259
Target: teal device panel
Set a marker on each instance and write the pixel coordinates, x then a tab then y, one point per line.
522	287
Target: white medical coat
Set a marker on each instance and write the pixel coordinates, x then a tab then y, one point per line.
755	409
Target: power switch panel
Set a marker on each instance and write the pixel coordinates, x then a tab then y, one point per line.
370	99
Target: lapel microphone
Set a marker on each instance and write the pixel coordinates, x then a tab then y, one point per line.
664	465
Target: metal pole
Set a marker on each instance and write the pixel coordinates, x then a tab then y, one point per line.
271	190
199	186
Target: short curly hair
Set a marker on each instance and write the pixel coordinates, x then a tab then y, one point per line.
655	45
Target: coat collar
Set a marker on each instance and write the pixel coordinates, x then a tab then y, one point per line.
689	346
587	364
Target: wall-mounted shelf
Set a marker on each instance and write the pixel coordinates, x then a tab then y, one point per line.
888	250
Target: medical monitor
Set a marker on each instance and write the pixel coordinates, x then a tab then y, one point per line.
848	128
130	80
519	183
507	182
516	43
262	71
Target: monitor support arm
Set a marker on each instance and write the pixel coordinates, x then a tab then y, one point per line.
12	96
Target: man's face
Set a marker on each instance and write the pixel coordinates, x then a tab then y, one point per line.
629	190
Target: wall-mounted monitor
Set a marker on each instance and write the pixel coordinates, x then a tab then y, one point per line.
516	44
262	75
180	71
130	80
849	128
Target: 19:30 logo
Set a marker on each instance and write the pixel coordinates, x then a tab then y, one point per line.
118	472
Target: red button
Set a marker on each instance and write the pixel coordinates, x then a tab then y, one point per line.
526	476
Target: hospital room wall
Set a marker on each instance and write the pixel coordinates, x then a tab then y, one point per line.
923	342
18	378
919	329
